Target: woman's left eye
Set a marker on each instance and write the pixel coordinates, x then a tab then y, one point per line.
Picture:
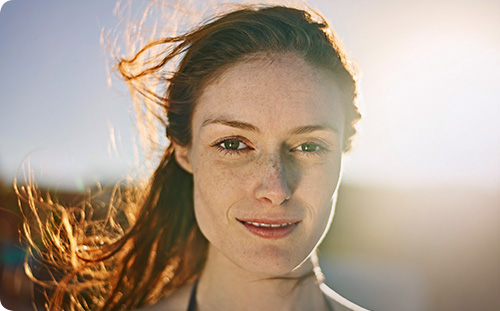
310	147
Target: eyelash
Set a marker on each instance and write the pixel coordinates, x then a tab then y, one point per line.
321	148
227	151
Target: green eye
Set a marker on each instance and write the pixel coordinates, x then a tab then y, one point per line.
309	147
231	144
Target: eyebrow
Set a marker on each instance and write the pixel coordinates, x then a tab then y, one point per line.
250	127
231	123
312	128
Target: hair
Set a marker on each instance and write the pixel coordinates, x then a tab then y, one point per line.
102	264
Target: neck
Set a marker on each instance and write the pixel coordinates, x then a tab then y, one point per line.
226	286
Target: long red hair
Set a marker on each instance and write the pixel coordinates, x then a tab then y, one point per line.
113	264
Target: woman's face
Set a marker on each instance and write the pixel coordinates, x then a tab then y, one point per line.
265	157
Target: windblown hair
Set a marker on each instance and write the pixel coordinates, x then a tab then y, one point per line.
104	265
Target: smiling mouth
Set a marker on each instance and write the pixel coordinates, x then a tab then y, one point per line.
275	230
258	224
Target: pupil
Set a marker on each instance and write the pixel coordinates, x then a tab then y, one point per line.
231	144
308	147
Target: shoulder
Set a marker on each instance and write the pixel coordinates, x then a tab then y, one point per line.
338	302
177	301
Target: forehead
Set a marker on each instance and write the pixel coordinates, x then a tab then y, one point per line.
279	89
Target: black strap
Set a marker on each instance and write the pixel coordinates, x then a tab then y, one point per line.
192	299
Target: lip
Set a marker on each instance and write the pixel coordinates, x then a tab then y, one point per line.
270	229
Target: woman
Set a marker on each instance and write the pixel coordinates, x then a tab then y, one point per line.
260	109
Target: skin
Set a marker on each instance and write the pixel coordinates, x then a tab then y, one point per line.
284	120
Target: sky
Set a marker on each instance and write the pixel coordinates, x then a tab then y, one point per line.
430	83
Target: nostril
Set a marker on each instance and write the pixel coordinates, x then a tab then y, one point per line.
275	190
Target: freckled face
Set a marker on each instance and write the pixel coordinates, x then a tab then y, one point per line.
266	152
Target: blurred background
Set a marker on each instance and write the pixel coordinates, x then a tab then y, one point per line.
417	225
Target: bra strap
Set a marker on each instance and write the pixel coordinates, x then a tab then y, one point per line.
192	299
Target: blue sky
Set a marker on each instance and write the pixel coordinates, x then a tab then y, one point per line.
430	83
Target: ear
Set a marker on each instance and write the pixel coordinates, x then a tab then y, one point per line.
182	157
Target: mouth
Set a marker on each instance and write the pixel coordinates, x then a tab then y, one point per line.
259	224
275	229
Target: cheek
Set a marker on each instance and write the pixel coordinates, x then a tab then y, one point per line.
321	181
317	190
217	188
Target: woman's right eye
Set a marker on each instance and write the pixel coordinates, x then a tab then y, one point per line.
232	145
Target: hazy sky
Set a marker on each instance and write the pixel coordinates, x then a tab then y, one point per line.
430	91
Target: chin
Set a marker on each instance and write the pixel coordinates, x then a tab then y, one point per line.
273	261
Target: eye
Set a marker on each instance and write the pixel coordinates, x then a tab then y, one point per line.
232	144
309	147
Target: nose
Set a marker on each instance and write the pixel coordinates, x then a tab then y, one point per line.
274	184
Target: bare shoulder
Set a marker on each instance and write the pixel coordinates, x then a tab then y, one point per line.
338	302
177	301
